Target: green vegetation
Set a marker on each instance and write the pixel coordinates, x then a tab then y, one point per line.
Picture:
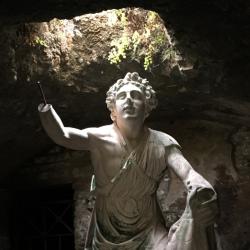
27	34
144	38
39	41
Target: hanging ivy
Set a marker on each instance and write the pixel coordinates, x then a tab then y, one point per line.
143	37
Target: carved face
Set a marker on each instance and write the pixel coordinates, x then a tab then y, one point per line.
129	103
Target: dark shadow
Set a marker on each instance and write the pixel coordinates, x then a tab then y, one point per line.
43	219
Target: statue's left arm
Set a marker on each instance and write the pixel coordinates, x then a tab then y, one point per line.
205	196
183	169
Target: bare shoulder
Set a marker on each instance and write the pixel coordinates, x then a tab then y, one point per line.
100	132
164	138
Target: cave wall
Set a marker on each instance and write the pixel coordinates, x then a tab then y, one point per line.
70	59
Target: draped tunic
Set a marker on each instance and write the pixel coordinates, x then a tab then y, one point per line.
127	215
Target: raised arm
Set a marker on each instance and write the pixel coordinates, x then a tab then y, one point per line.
65	136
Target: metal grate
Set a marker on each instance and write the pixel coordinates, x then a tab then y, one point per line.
44	221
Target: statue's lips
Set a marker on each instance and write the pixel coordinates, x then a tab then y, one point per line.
129	109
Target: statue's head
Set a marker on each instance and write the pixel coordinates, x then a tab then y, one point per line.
137	81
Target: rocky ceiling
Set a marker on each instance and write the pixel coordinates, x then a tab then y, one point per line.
212	35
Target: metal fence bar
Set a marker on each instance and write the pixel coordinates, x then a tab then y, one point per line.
43	235
60	243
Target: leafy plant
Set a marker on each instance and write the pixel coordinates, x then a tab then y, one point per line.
39	41
144	36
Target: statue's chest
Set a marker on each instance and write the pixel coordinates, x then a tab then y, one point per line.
107	158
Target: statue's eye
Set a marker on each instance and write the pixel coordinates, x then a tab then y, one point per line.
121	96
136	95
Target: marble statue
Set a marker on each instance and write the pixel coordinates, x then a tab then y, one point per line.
129	161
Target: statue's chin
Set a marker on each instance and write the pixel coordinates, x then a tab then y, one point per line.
130	116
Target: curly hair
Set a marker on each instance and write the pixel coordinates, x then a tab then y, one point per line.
135	79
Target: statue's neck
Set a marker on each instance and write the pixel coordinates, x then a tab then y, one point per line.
131	129
132	132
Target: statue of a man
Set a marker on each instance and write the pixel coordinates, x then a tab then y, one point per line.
129	161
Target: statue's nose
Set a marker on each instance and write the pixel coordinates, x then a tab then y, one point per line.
128	99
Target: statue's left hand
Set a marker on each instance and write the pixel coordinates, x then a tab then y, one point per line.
204	207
